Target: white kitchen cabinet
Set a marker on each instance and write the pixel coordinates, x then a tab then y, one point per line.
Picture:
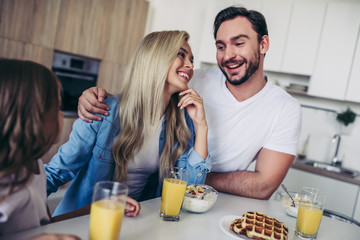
302	38
277	14
336	51
353	88
357	208
340	196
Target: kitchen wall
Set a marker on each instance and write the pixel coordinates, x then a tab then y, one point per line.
319	122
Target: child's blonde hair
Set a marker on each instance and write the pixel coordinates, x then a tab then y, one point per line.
142	102
29	93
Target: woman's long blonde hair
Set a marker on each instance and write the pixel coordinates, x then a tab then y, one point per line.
29	93
142	102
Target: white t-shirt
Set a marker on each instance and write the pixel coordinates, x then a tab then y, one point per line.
270	119
26	208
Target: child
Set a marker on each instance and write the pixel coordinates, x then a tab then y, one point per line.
30	123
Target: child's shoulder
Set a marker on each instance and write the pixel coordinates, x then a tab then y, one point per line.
12	202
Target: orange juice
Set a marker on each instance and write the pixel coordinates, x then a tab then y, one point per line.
308	219
172	196
105	220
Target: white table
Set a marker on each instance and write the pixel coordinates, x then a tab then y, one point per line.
148	225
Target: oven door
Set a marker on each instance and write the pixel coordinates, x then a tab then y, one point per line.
73	84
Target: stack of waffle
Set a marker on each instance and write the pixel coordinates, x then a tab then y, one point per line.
259	226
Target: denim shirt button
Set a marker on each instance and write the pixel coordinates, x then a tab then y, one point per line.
199	174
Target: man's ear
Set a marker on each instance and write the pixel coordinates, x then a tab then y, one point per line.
264	44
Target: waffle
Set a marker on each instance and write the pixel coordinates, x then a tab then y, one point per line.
259	226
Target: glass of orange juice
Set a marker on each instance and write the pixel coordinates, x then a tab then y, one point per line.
107	210
173	190
311	207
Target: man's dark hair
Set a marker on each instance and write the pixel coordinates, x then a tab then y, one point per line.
256	19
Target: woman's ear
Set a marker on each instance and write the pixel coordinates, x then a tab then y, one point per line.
264	44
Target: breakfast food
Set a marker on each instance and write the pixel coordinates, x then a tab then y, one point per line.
289	208
259	226
199	199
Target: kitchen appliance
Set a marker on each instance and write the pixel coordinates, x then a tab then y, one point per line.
76	74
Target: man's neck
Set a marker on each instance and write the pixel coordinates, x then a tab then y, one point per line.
249	88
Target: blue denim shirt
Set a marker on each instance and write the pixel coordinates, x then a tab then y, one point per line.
87	158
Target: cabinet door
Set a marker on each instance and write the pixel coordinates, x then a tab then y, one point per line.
277	15
127	27
357	208
30	21
83	27
303	37
340	196
26	51
353	89
336	51
101	29
11	48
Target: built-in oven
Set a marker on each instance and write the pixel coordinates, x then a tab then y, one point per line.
76	74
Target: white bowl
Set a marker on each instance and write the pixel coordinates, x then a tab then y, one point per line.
287	203
199	201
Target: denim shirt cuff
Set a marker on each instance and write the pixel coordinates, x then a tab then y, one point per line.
195	159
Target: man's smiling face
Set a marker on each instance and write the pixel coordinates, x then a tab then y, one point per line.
238	51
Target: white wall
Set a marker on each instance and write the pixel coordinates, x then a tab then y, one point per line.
190	15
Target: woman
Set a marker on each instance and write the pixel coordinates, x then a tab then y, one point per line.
147	129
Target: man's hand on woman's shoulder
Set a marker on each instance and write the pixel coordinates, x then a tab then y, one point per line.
91	101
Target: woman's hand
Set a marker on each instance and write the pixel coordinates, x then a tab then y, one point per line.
195	108
91	101
132	208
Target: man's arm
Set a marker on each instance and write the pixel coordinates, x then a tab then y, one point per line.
91	102
270	170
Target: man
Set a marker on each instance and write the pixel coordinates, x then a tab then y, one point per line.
248	117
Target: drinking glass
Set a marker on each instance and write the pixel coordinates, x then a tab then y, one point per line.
311	207
107	210
173	191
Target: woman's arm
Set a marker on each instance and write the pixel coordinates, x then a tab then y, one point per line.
72	156
195	108
196	160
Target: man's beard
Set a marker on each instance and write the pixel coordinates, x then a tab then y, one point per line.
250	70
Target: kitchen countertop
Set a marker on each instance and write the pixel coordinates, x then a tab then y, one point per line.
298	164
213	224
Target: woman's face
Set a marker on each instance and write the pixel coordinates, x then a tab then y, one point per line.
181	70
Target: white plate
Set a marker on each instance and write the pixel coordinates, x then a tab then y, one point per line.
225	223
